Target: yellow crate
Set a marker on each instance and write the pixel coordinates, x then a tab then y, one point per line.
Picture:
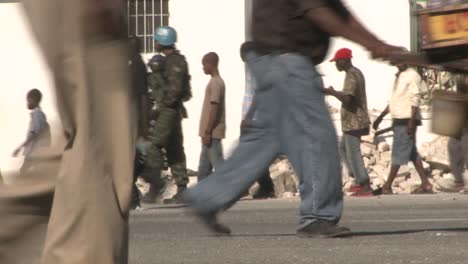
444	27
448	27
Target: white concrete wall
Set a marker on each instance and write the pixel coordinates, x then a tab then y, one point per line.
204	26
389	20
21	68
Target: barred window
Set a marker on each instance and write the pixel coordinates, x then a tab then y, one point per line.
144	17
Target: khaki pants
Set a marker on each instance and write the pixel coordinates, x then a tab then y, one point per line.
82	190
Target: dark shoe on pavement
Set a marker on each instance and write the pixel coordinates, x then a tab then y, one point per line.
382	191
149	198
262	194
212	223
210	220
135	205
323	229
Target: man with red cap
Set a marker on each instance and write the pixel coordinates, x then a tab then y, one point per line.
354	120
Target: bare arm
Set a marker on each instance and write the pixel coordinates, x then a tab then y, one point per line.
343	97
327	20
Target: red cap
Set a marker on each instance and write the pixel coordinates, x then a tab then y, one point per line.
343	53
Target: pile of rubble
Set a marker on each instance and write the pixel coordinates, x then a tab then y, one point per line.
285	180
377	159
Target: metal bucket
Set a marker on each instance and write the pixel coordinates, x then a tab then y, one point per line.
449	113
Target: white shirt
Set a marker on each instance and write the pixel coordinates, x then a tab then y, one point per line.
406	94
38	128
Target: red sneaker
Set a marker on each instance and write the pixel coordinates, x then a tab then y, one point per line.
354	188
363	194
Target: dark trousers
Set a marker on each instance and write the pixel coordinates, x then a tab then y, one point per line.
266	183
139	164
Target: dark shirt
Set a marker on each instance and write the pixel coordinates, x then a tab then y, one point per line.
139	88
281	26
138	75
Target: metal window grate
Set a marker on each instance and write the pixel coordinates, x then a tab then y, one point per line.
144	17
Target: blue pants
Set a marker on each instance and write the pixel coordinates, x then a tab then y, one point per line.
289	116
404	147
211	157
350	149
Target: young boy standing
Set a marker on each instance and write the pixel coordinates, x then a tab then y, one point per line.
38	135
213	118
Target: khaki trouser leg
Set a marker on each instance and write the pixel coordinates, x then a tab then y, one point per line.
89	217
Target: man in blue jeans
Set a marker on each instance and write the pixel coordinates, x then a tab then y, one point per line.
289	114
355	121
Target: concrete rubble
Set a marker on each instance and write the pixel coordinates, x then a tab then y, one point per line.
377	159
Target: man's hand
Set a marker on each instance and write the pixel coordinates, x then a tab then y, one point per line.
329	91
16	152
412	128
206	139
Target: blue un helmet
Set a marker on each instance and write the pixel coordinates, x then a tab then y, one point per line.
166	36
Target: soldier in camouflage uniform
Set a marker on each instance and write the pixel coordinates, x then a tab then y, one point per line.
171	88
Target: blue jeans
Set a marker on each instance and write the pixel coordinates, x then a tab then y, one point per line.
350	149
289	116
211	157
404	147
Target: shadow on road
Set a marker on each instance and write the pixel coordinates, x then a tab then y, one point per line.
369	233
163	206
410	231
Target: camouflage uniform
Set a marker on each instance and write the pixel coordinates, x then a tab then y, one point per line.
168	84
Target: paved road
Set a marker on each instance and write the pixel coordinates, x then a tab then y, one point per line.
390	229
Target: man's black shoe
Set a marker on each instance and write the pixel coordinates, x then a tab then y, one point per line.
323	229
211	222
262	194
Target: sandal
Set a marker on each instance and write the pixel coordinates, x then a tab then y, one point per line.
423	190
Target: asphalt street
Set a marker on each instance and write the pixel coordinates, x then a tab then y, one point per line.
387	229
